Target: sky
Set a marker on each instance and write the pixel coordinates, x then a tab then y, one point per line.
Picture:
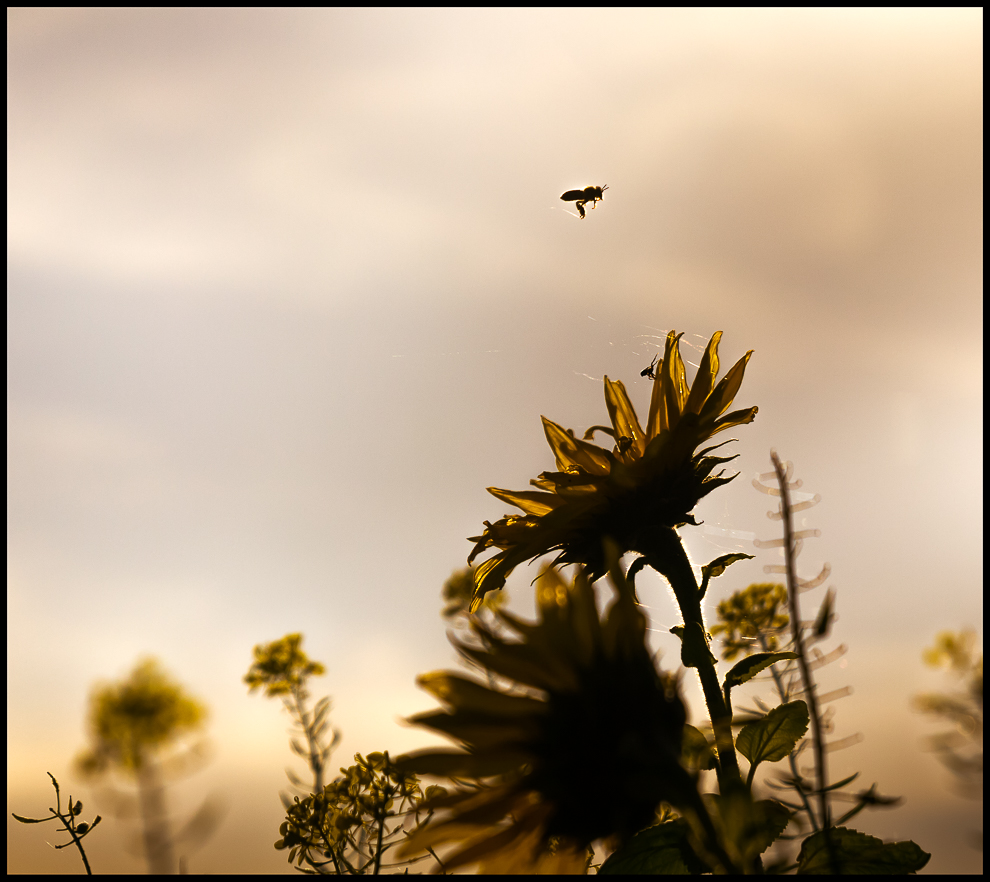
288	289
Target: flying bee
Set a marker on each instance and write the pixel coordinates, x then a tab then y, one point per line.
649	371
580	197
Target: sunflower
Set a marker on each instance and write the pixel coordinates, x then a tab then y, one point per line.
649	481
584	746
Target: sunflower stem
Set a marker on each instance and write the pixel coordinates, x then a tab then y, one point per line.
668	557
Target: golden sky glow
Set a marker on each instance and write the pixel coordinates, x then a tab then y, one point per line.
288	289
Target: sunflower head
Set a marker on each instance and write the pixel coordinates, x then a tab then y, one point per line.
650	480
584	744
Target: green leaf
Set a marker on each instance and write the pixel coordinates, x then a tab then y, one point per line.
775	736
696	752
856	853
721	564
749	667
752	826
717	567
695	652
662	850
775	819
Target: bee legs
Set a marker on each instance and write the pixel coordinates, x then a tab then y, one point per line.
580	207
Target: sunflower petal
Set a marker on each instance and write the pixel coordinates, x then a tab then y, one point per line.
504	533
453	689
460	764
433	834
491	575
589	433
704	381
501	801
715	483
736	418
584	620
477	730
465	800
705	465
676	388
623	415
666	403
523	667
656	422
526	855
571	451
530	501
504	840
569	484
721	398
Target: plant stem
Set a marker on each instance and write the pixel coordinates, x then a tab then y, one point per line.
78	844
821	776
381	831
68	823
784	694
315	761
710	837
667	557
156	831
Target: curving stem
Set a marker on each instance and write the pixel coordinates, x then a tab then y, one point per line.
668	557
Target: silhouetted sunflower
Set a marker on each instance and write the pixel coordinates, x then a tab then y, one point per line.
585	747
650	480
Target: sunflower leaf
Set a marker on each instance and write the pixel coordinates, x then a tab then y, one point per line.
774	736
719	566
661	850
751	666
696	751
753	826
855	853
695	651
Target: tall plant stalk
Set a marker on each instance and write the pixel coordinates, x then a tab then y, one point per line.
810	692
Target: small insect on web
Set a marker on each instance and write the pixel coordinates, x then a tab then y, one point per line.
581	197
650	370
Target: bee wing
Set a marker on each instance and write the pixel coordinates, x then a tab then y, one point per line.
573	195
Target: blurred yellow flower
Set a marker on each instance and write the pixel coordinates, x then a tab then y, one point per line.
748	614
651	479
281	667
129	721
585	746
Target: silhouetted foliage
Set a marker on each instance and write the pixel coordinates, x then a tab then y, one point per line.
78	830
